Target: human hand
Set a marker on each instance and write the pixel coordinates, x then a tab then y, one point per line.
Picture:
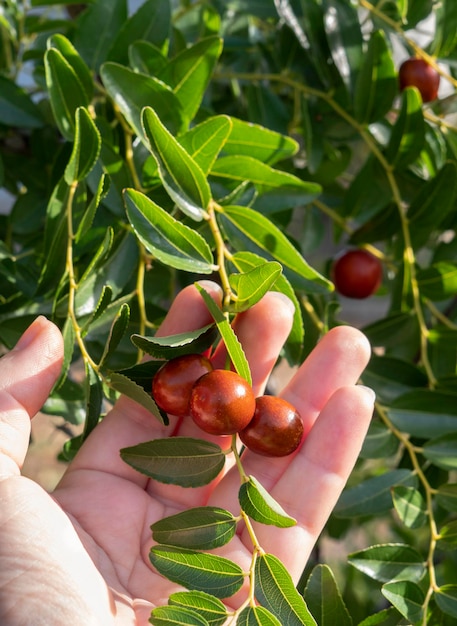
80	556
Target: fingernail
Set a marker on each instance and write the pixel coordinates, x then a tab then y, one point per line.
32	332
281	296
369	392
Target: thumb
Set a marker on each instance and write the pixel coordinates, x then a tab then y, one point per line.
27	375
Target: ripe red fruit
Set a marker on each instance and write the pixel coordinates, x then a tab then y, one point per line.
173	382
418	73
357	274
276	428
222	402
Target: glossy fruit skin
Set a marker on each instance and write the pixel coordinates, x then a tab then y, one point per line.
222	402
418	73
173	382
276	429
357	274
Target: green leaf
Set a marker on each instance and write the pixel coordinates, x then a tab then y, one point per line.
438	281
257	616
389	562
178	460
150	24
197	570
380	442
261	506
166	615
408	134
446	497
86	147
275	590
442	451
189	73
445	35
258	142
372	496
128	388
89	214
96	26
117	331
170	241
72	56
146	58
16	107
448	536
391	377
242	168
410	506
181	176
66	91
407	597
251	286
377	83
190	342
204	604
232	344
446	598
199	528
271	241
324	599
386	617
424	413
132	91
94	400
205	140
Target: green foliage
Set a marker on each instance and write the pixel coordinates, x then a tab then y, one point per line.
144	148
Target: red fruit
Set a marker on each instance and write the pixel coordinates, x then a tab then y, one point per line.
357	274
172	384
276	428
418	73
222	402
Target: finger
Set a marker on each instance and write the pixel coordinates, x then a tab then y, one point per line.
27	374
312	483
128	423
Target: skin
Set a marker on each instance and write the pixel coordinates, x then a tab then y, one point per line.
80	555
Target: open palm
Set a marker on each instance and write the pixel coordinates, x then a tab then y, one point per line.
81	556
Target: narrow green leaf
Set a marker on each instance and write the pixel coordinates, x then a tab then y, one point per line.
206	605
169	240
261	506
176	615
408	134
94	400
194	341
89	214
386	617
410	506
425	413
251	286
199	528
257	616
205	140
117	331
189	73
377	83
324	599
275	590
178	460
446	599
16	106
258	142
197	570
391	377
389	562
372	496
128	388
181	176
438	281
247	225
66	91
72	56
132	91
380	442
448	536
442	451
146	58
406	597
86	147
232	344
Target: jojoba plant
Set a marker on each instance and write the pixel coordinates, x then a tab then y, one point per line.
172	385
276	428
357	274
415	72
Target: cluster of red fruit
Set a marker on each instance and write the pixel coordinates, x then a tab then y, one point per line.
221	402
